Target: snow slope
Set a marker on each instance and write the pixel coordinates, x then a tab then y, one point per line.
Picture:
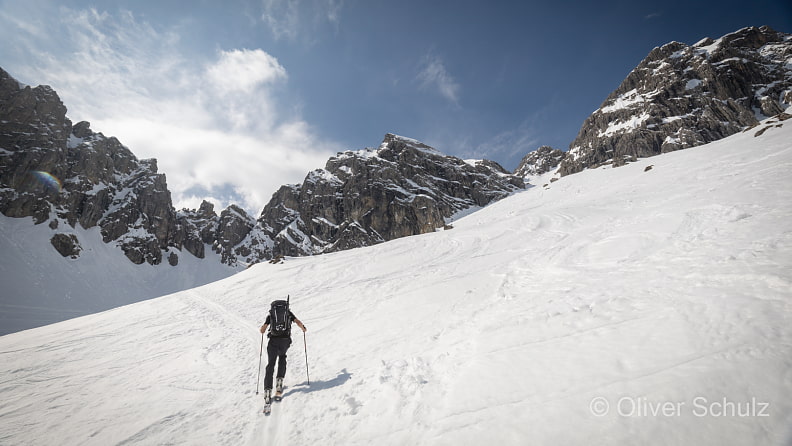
616	306
41	287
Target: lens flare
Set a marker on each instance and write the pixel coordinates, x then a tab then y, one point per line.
49	181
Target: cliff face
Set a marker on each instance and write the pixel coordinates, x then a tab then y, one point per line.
540	161
68	174
52	170
682	96
369	196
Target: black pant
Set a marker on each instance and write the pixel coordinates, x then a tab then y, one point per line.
276	350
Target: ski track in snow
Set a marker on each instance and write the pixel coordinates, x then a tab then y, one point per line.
658	286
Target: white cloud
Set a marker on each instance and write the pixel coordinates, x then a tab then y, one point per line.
434	75
213	123
242	71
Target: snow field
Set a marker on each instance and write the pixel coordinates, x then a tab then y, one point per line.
615	306
34	275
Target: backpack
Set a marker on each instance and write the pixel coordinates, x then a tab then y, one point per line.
280	320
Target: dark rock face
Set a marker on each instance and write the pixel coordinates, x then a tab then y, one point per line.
31	120
682	96
540	161
370	196
233	228
51	170
67	245
232	234
202	226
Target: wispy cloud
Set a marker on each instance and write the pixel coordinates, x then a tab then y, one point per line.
333	12
281	17
433	75
287	19
653	15
214	124
510	145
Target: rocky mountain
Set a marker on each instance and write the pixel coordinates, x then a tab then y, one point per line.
64	175
369	196
68	174
540	161
682	96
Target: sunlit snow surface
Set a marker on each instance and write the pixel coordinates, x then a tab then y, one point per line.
615	306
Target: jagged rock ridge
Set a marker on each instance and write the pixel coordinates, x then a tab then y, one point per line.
365	197
540	161
68	174
94	181
682	96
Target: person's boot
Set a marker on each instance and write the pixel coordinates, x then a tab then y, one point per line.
278	389
267	396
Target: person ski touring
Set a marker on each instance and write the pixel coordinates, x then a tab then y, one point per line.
279	322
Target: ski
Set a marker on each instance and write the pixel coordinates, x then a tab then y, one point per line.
278	396
267	408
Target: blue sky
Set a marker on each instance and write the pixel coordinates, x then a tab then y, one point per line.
235	98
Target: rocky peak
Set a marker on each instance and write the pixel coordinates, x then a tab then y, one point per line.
540	161
404	187
232	228
206	210
31	115
395	145
82	130
746	38
682	96
69	175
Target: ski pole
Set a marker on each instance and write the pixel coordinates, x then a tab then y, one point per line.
306	360
261	350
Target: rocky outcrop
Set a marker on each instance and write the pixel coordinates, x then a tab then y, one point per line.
365	197
232	234
540	161
67	245
53	170
31	121
682	96
201	225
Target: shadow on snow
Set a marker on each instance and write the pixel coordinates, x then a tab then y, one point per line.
304	387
